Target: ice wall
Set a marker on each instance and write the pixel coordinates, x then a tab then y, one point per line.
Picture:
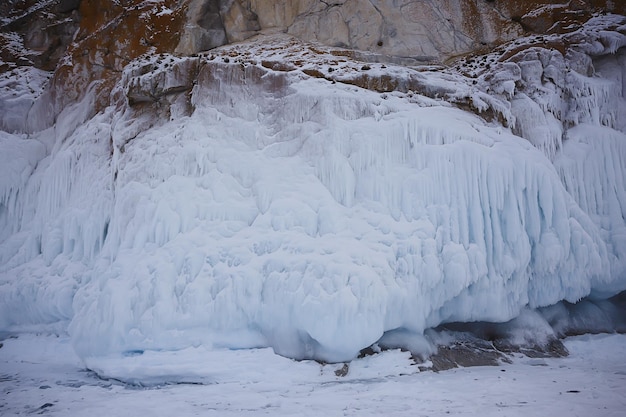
315	222
251	207
592	167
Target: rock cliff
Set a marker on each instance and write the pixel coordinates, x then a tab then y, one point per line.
85	44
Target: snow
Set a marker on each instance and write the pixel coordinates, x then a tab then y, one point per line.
19	89
257	208
42	374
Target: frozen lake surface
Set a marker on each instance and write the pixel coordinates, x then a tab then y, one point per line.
42	375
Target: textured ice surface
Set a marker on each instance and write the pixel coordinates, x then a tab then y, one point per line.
311	217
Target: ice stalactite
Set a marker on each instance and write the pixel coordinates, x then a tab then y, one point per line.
19	160
55	220
592	167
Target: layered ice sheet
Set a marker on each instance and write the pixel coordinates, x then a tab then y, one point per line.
312	217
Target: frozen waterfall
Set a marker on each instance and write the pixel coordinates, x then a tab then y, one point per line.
312	217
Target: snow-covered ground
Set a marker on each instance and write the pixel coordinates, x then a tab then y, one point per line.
42	375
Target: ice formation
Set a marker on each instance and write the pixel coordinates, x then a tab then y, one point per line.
269	208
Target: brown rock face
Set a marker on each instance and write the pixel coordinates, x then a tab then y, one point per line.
109	37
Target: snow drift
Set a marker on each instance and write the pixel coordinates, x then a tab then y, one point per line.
225	204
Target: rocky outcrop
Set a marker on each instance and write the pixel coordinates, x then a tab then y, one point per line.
424	30
87	43
100	38
204	29
35	33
